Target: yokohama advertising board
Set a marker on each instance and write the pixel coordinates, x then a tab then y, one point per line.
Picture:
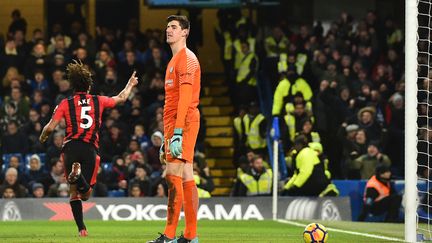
218	208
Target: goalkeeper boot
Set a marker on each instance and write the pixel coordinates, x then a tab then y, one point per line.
182	239
163	239
75	173
83	233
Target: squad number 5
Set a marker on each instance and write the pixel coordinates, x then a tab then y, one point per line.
86	117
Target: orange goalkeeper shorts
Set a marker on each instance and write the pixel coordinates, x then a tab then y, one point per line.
190	134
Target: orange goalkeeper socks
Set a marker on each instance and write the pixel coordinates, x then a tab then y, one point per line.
190	207
175	200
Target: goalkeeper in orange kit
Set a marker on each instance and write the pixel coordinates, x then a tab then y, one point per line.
181	125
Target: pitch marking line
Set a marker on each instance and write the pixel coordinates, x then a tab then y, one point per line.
345	231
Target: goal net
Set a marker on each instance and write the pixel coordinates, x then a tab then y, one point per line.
418	131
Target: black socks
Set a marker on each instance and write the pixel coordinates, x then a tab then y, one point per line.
82	185
76	206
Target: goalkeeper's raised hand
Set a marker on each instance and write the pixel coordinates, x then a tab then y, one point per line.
176	143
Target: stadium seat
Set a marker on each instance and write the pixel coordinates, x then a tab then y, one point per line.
6	158
116	193
155	174
423	214
375	218
106	166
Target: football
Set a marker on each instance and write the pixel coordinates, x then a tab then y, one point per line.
315	233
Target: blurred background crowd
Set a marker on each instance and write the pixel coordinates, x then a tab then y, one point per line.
333	90
34	82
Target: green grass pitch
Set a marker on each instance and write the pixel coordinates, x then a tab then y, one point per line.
209	231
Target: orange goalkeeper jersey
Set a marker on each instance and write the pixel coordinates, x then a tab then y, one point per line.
183	69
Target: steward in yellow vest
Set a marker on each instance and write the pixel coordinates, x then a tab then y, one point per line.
255	130
237	44
256	181
247	66
246	90
301	85
309	177
276	44
293	120
281	96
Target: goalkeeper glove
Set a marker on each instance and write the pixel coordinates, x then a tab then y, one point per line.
162	153
176	143
274	132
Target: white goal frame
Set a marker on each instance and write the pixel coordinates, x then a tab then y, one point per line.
411	27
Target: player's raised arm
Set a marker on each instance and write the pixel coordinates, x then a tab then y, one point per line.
124	94
48	129
58	114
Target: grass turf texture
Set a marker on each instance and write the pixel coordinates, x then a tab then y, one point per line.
209	231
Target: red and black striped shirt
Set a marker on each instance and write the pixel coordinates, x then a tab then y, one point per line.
83	115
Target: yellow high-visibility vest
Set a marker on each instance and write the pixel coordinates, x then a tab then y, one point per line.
282	90
301	60
300	85
260	187
315	137
254	140
237	125
239	54
290	122
283	63
244	69
270	41
203	193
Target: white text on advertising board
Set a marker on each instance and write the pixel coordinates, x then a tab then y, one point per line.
158	212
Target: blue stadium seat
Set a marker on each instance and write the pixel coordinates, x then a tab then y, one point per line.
375	218
107	166
6	158
423	214
116	193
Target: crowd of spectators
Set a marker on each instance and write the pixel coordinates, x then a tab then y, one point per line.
34	82
339	83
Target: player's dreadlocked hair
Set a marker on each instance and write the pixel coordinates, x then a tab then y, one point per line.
79	76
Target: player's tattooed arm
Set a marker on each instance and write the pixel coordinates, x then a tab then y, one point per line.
124	94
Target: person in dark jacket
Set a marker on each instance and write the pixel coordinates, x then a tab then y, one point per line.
380	196
142	180
14	141
18	22
367	120
54	150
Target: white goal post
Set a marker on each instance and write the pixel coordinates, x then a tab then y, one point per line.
411	27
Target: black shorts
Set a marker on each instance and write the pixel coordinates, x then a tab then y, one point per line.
86	155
